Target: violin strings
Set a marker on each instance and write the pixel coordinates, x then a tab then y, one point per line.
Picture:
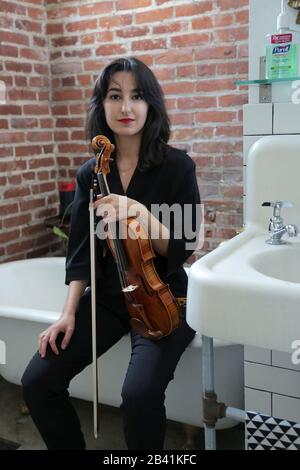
121	265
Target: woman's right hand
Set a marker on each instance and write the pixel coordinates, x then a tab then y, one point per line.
65	324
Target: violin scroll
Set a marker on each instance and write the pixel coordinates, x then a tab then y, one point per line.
103	149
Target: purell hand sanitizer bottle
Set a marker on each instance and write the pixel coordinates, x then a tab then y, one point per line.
282	52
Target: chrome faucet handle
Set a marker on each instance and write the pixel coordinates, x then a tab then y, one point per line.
276	221
277	206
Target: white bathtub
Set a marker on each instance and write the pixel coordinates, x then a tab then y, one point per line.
32	293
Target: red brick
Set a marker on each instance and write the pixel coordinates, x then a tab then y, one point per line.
81	25
39	136
67	95
215	116
64	122
60	136
23	123
132	4
11	137
16	192
84	79
204	22
232	100
29	26
15	38
64	41
219	52
10	7
17	220
41	69
20	247
230	35
6	237
182	118
31	204
60	13
79	135
46	123
72	148
34	54
231	4
8	209
110	49
54	28
5	152
36	13
173	57
20	81
114	21
153	15
91	38
194	9
215	85
36	109
229	131
178	88
18	165
242	17
3	124
22	95
187	40
18	67
8	51
148	44
132	32
197	102
223	20
93	9
41	162
33	230
213	147
231	68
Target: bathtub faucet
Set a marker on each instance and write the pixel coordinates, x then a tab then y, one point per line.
276	226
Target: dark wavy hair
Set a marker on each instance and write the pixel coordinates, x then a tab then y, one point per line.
156	132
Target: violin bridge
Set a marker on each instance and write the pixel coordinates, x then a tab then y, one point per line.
130	288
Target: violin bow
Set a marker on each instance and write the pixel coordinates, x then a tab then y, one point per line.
103	149
93	305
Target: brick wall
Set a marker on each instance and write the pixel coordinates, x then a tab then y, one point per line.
53	50
27	160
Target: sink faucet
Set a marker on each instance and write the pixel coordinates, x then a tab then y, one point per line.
276	226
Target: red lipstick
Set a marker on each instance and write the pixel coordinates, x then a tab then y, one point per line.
126	120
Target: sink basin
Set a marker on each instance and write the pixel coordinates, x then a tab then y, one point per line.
281	264
247	292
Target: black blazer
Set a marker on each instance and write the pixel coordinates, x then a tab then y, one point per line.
174	181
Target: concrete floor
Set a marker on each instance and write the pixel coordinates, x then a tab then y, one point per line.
19	428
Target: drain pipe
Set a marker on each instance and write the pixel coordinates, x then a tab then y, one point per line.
212	409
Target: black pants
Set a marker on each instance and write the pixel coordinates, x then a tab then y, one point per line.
151	367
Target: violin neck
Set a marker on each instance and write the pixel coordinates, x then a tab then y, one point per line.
121	258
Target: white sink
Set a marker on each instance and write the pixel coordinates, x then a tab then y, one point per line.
281	264
248	292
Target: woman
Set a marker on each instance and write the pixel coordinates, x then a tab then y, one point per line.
128	107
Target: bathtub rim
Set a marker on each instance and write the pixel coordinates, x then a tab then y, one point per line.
48	317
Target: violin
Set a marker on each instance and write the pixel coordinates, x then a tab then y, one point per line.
154	311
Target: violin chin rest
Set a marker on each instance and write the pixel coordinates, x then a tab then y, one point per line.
139	327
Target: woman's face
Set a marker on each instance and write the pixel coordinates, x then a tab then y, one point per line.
125	109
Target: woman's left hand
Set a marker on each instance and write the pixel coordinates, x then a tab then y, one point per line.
115	207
